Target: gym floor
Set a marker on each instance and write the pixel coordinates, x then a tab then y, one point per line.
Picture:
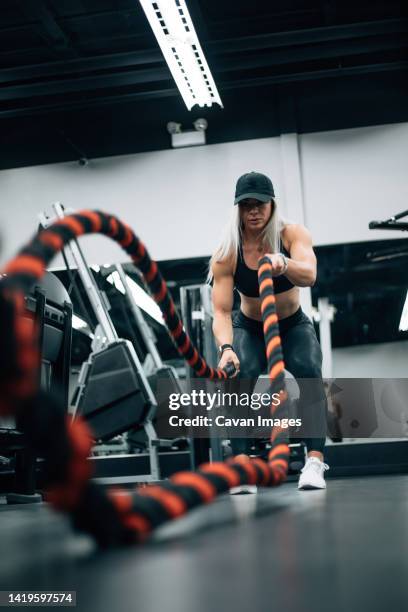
341	549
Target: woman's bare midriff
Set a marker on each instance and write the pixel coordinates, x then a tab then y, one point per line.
287	303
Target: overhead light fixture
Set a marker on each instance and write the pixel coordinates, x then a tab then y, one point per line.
174	30
187	138
403	326
200	124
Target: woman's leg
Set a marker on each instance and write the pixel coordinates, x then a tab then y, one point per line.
249	347
303	358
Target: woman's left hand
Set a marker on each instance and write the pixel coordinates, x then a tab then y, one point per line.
278	264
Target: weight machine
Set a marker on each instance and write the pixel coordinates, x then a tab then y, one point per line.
113	392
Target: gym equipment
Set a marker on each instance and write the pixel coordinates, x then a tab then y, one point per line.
144	329
113	398
110	394
118	517
391	223
113	393
48	307
196	312
161	371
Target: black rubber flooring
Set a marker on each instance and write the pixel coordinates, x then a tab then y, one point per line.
344	549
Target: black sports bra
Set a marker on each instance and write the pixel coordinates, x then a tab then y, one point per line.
246	279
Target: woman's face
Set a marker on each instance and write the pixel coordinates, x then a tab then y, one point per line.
255	214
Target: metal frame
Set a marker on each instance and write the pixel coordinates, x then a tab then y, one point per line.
391	223
200	450
100	308
144	329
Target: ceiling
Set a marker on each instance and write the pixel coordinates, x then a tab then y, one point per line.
86	78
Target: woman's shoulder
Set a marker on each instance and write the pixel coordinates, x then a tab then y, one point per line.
224	266
292	231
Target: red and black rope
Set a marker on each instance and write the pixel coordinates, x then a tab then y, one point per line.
279	454
118	516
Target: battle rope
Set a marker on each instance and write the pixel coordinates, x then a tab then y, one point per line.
116	516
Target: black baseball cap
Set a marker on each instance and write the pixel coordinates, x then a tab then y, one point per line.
254	185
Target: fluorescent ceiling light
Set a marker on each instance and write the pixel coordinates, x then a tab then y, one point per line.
175	33
403	326
142	299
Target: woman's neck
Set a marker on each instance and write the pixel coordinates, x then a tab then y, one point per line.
252	238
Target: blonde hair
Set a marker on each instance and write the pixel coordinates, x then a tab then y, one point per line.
232	238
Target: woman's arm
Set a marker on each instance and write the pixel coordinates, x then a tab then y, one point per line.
302	266
223	299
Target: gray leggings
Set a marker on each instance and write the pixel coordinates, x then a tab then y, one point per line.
303	359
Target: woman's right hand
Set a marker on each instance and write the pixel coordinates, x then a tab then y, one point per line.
227	357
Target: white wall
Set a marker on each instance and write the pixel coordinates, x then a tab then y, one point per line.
351	177
177	201
384	360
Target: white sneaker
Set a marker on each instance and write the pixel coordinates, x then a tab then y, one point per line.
312	476
244	490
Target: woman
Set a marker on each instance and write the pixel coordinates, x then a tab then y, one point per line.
256	230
